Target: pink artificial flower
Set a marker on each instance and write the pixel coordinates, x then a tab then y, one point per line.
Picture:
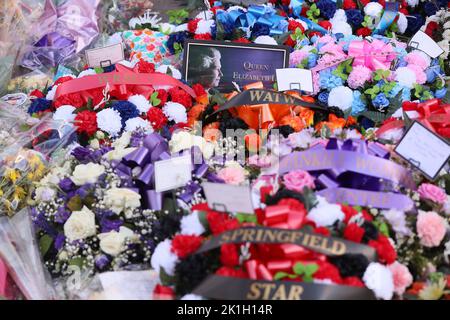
359	76
431	192
416	59
297	180
296	57
402	277
261	162
421	77
431	228
232	175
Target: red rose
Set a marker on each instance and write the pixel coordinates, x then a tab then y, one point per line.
315	33
293	25
325	24
157	118
86	121
163	96
145	67
203	36
366	215
184	245
199	90
180	96
163	293
192	25
97	96
349	4
431	28
290	42
353	232
71	99
36	93
230	272
229	255
386	252
242	40
220	222
327	271
349	212
353	281
364	32
323	231
62	80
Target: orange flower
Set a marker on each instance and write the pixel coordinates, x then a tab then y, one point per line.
295	122
307	115
194	113
416	287
211	132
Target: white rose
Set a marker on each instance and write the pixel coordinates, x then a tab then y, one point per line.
95	144
123	141
113	243
373	9
120	199
379	279
118	154
87	173
44	194
182	140
80	225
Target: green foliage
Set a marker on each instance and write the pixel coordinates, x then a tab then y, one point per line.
154	99
381	74
306	271
177	16
44	244
313	13
244	217
166	280
75	204
343	69
373	92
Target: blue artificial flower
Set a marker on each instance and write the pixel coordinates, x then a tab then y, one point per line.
177	37
327	80
39	105
126	109
323	97
354	17
366	123
225	20
346	40
395	90
312	60
430	8
441	93
406	94
380	101
358	104
415	22
260	29
432	73
327	8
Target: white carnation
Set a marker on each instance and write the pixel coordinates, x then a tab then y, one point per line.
265	40
163	257
205	14
191	224
339	16
204	26
140	102
397	220
405	77
65	113
325	214
51	94
341	97
373	9
109	120
135	123
173	71
87	72
342	27
402	22
175	111
379	279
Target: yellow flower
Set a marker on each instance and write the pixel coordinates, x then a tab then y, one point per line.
19	193
433	291
12	174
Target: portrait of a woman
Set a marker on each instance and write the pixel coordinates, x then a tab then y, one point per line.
205	67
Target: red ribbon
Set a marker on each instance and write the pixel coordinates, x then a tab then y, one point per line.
123	83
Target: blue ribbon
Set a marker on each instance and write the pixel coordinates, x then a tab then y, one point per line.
389	15
296	6
314	26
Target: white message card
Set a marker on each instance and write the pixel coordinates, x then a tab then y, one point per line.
106	56
228	198
294	79
173	173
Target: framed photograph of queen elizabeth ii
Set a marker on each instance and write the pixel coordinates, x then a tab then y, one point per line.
217	64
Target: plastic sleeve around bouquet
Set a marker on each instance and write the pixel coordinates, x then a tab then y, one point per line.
19	251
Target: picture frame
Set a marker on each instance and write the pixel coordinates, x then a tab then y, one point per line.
220	64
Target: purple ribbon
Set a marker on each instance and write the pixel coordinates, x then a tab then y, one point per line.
354	172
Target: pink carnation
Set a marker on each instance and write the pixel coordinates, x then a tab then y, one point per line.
402	277
297	180
359	76
421	77
262	162
431	192
296	57
232	175
431	228
416	59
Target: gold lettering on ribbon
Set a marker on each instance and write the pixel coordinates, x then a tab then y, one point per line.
272	291
248	235
254	293
338	248
268	97
256	95
280	293
296	292
288	99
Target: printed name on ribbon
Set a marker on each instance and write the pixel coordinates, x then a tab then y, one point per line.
228	288
326	245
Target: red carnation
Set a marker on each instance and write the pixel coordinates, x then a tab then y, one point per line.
325	24
36	93
315	33
242	40
293	25
180	96
404	11
184	245
71	99
364	32
200	207
323	231
327	271
364	2
349	212
349	4
431	28
163	96
62	80
229	255
290	42
353	232
366	215
145	67
285	2
157	118
199	90
230	272
192	25
385	250
353	281
86	121
220	222
163	293
203	36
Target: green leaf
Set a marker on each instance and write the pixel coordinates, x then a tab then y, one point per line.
202	219
375	116
446	98
75	204
98	70
281	38
166	280
220	33
79	262
154	99
244	217
310	269
280	275
44	244
299	268
396	104
407	120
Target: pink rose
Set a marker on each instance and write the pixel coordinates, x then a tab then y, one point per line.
431	192
402	277
431	228
232	175
297	180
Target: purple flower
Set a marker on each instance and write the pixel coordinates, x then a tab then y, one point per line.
62	215
59	241
110	225
102	261
66	185
81	154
